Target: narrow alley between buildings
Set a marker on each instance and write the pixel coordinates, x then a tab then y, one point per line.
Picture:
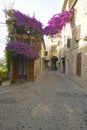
51	102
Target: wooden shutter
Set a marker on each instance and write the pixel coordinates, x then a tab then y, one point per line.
31	70
14	71
78	64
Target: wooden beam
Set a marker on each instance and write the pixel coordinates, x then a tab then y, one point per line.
65	3
73	4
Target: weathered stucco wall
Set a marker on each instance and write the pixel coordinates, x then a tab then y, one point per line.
77	45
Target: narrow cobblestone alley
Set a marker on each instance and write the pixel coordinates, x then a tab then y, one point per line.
52	102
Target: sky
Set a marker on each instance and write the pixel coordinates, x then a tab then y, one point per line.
43	10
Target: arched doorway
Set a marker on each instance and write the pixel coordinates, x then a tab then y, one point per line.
54	59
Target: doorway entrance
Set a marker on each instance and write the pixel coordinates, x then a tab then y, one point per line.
54	59
22	69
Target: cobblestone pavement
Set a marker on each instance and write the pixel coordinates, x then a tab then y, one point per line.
50	103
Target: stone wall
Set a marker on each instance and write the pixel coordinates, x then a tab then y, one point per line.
37	68
78	45
81	80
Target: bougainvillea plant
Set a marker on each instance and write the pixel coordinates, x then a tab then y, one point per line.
55	24
23	20
58	21
16	48
18	22
18	19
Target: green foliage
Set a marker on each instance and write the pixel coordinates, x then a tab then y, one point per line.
3	74
0	80
8	56
3	71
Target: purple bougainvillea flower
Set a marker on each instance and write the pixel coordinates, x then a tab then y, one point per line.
57	22
23	49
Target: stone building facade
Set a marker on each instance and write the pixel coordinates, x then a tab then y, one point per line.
52	49
24	48
73	52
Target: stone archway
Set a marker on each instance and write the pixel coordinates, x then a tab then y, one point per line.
54	59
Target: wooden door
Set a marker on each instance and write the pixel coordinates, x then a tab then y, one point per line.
22	69
31	70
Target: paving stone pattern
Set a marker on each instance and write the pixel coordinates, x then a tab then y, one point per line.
52	102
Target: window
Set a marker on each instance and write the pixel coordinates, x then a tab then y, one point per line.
78	64
68	42
53	48
46	53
